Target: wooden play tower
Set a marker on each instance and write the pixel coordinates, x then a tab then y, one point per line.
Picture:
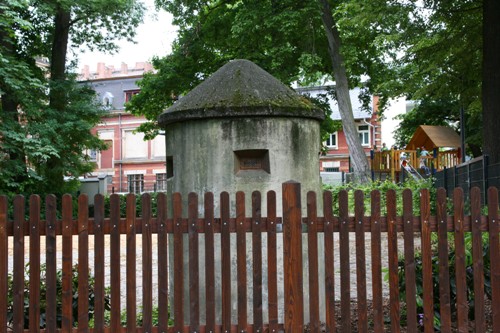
442	143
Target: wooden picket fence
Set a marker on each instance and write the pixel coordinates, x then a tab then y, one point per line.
292	224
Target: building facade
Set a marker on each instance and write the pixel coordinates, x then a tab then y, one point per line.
131	164
367	122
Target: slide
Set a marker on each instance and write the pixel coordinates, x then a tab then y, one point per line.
406	166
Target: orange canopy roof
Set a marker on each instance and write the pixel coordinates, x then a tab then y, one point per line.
434	137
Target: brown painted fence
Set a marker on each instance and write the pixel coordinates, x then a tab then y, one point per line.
407	232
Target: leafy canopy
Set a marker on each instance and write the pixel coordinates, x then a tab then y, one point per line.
41	135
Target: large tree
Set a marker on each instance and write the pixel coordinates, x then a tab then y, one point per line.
440	69
46	118
296	41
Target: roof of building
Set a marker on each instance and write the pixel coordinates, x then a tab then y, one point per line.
359	110
240	88
432	137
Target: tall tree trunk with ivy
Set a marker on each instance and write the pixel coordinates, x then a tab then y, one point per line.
358	157
491	79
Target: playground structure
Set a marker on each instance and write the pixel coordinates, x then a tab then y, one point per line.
442	143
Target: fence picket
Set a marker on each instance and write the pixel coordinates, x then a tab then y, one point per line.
18	276
312	252
444	268
67	264
376	247
345	274
83	263
163	311
209	262
240	226
292	251
460	263
392	236
99	273
34	285
329	261
427	277
359	214
477	260
258	320
147	264
494	256
4	250
241	261
272	262
194	285
115	320
178	264
409	255
225	262
131	263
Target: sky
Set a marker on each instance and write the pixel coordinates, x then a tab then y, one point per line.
154	37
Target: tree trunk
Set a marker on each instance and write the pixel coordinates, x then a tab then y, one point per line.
358	157
491	79
58	58
57	94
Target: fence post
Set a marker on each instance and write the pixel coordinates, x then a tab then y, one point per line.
486	162
445	180
292	252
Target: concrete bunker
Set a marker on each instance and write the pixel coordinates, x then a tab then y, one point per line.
241	130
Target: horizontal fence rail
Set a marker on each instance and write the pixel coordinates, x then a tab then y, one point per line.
404	256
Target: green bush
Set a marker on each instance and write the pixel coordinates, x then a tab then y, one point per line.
384	186
43	293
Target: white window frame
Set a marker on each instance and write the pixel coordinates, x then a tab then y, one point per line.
364	134
161	181
328	165
135	183
158	147
328	141
127	142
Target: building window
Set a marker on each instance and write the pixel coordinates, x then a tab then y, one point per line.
92	154
107	100
130	93
135	183
161	182
331	166
134	145
158	147
364	135
331	141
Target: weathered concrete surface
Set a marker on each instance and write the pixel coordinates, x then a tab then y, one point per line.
241	107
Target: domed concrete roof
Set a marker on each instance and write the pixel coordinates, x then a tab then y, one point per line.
239	89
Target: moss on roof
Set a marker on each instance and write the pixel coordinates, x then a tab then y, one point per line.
240	88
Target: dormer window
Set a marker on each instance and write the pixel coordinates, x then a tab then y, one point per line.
107	100
130	93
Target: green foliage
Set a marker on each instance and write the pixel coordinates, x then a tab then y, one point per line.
154	317
383	187
44	134
43	293
286	38
123	204
440	67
